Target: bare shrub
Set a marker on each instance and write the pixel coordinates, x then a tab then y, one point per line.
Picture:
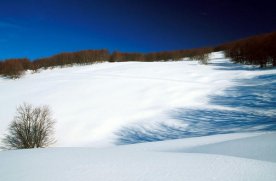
202	58
32	127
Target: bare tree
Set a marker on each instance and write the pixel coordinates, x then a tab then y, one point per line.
32	127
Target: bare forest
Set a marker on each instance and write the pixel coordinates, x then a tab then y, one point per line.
256	50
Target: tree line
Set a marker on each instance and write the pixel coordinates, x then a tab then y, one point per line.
14	68
256	50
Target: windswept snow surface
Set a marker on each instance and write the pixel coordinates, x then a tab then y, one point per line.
119	103
227	157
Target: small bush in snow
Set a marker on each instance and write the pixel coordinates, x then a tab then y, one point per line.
202	58
32	127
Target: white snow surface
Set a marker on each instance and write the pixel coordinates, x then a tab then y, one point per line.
90	103
194	159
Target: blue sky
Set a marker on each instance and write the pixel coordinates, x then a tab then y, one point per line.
39	28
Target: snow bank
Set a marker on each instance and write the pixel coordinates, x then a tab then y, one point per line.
147	161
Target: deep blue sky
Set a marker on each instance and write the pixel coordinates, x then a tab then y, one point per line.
38	28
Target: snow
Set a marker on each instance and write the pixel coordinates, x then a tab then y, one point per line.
198	160
224	113
91	104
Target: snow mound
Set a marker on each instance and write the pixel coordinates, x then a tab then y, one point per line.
200	159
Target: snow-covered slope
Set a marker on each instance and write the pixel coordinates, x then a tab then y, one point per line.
219	157
131	102
92	104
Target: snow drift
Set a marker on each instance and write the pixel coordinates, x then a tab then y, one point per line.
218	157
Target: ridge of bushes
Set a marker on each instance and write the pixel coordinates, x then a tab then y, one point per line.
14	68
257	50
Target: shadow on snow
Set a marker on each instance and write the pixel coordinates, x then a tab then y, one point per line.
251	106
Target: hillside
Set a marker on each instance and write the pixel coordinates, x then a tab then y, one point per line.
120	103
221	117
